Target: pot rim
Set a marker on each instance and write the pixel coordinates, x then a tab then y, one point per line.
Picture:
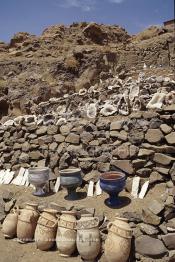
70	170
33	204
121	218
50	210
39	169
120	174
68	212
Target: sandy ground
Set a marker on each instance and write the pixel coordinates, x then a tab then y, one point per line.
12	251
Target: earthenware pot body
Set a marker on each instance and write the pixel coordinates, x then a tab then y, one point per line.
88	238
27	221
9	226
118	243
113	183
38	176
71	179
45	232
66	233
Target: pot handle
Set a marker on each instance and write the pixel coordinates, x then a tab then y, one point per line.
109	225
16	210
97	220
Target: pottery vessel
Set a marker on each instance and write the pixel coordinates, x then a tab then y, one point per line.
118	243
66	233
38	176
9	226
112	183
45	232
88	238
27	221
71	179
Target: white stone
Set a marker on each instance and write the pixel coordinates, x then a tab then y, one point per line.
144	190
57	185
98	189
156	101
135	186
90	192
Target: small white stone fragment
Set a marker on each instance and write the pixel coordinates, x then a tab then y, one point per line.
144	190
19	179
57	185
135	186
8	177
90	192
98	189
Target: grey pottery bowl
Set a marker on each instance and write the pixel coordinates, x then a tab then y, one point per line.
38	176
70	179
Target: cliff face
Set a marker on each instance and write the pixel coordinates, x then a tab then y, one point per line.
63	60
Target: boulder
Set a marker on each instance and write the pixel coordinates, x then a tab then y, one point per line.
169	240
150	218
150	247
170	138
154	135
165	128
41	131
156	207
116	125
163	159
124	165
73	138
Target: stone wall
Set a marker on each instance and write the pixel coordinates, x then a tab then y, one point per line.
140	144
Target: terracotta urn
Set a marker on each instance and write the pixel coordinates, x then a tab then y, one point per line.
45	232
88	237
9	226
27	221
66	233
118	243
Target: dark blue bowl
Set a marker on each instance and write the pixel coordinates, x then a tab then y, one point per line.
113	183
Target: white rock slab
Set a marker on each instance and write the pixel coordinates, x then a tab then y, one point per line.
19	179
90	192
57	185
144	190
98	189
8	177
135	186
156	101
2	175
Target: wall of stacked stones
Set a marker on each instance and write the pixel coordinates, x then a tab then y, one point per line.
140	144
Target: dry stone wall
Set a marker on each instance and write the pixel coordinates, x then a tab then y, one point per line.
141	144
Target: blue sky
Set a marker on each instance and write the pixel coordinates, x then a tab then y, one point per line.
34	15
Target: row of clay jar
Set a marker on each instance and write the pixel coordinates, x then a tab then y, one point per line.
68	233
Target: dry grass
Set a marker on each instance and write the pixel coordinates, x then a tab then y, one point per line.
71	64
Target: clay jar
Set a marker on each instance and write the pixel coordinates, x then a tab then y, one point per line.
66	233
118	243
88	237
27	221
46	229
9	226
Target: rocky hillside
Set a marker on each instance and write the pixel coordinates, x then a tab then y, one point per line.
64	60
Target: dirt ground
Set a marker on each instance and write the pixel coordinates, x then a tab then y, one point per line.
12	251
